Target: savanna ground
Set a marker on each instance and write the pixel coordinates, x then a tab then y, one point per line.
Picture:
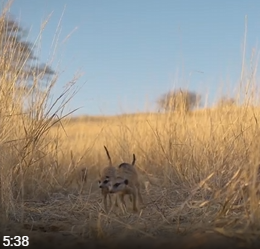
197	165
202	168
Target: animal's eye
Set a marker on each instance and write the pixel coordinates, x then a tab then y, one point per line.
106	181
117	184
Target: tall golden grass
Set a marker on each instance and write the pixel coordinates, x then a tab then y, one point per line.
27	114
206	161
204	164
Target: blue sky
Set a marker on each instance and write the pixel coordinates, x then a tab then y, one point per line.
131	52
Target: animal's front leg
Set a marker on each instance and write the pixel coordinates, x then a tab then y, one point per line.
134	202
116	203
105	202
123	205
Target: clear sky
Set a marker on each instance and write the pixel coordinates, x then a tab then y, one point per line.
133	51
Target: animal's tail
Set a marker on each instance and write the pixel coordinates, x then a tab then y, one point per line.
133	162
109	158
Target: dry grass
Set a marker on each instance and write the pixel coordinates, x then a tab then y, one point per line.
202	167
197	165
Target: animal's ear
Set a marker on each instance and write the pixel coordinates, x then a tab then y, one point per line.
126	182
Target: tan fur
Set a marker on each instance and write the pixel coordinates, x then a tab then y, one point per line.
127	183
106	178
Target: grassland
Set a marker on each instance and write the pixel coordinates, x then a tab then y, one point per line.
197	165
202	168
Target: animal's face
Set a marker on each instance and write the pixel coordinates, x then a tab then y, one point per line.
106	182
118	185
